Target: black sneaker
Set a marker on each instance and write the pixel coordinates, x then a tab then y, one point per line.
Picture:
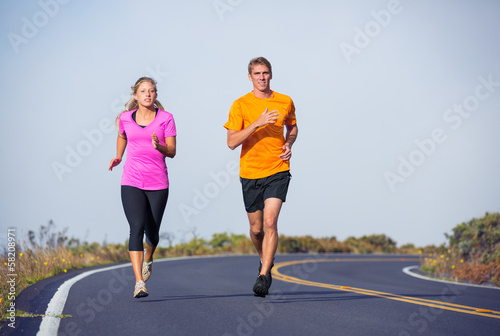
261	287
269	277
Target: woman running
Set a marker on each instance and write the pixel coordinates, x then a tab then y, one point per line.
148	131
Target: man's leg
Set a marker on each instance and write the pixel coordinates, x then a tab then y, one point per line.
264	231
256	230
272	207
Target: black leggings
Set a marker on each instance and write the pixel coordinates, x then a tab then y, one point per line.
144	211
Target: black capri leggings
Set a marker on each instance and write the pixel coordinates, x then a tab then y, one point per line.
144	210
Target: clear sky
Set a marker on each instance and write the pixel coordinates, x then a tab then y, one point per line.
398	108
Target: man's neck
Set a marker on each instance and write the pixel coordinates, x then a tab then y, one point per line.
263	94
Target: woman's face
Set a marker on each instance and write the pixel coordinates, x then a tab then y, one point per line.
146	94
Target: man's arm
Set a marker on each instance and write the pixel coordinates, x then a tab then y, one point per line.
236	138
291	135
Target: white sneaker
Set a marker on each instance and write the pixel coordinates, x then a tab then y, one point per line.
140	290
147	269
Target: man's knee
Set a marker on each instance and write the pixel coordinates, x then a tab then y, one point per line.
270	224
256	231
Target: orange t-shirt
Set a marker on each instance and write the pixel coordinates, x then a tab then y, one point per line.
260	151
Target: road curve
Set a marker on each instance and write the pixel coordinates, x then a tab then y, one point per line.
334	294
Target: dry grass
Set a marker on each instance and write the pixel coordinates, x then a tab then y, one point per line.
479	273
449	265
31	266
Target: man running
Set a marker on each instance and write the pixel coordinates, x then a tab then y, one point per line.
257	122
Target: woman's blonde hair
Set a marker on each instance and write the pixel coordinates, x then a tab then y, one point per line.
132	103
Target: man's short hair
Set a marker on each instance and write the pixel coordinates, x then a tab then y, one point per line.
259	61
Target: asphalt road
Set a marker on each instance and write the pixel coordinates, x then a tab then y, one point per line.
311	295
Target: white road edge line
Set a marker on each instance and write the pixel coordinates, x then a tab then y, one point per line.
51	320
407	270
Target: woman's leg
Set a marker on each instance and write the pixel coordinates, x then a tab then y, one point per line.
157	203
135	205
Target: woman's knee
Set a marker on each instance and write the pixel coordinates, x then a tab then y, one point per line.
152	241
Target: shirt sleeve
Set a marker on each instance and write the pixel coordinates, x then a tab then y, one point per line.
290	119
235	121
121	127
170	129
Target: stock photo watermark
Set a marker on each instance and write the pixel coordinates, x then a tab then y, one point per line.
75	155
11	277
31	25
202	197
248	324
222	7
364	36
93	305
454	118
419	321
94	137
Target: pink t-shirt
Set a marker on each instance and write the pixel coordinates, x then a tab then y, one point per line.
145	167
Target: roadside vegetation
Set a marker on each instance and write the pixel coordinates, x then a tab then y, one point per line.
473	253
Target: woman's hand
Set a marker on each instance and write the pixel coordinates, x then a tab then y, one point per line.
115	162
155	140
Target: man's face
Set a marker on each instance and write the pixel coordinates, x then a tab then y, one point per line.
261	77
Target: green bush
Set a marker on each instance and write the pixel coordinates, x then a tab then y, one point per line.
477	239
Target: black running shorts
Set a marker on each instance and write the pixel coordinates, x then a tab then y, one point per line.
256	191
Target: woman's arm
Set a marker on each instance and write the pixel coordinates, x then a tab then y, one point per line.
169	150
121	144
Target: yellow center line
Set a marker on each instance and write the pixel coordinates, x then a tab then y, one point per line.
423	302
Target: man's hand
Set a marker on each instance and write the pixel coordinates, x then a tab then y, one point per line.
267	118
287	153
236	138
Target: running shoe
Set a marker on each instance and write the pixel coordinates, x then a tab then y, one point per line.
261	287
269	277
147	269
140	290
